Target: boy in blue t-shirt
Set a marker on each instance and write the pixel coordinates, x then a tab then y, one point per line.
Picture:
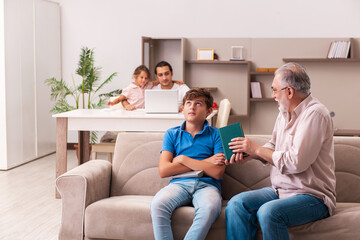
192	146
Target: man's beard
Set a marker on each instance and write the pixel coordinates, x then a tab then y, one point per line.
284	104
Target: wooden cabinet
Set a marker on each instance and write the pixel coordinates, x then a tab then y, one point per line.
265	79
230	78
225	79
333	81
171	50
324	60
346	72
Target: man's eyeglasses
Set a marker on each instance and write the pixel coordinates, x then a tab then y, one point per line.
276	91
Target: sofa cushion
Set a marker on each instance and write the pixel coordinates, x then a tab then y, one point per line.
342	225
128	217
124	217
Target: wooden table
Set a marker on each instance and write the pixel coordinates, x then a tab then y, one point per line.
85	120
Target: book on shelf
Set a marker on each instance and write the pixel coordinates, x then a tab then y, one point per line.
339	49
255	90
332	49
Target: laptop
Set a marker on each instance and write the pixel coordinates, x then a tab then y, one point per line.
161	101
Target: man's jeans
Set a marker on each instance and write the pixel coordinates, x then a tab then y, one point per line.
205	197
273	214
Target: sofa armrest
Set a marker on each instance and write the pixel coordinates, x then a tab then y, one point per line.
79	188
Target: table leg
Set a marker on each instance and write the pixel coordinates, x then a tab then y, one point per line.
84	150
61	148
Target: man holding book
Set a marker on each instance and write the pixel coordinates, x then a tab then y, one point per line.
193	146
301	152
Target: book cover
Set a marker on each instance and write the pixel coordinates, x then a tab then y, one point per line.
331	49
226	134
347	53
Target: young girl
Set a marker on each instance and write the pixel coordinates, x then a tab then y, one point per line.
134	93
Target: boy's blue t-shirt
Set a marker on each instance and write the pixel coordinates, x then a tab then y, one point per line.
203	145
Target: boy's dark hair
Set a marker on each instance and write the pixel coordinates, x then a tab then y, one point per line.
163	64
142	68
197	93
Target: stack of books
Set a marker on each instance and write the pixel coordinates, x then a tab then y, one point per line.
339	49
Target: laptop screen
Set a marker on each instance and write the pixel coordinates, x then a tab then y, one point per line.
161	101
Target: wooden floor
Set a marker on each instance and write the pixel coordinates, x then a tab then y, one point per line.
28	208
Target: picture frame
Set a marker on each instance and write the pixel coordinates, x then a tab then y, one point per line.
205	54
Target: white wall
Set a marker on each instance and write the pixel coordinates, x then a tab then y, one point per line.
114	28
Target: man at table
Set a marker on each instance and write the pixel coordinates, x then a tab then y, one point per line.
164	74
192	146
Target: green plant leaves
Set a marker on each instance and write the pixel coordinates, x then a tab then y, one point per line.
90	85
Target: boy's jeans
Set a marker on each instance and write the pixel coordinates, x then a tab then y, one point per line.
273	214
205	197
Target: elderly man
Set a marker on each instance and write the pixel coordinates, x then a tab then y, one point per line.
301	152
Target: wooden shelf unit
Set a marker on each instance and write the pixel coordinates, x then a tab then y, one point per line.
231	79
217	62
262	100
226	77
321	59
261	73
266	76
211	89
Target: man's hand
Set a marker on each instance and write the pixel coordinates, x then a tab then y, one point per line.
178	82
240	145
237	158
178	159
217	159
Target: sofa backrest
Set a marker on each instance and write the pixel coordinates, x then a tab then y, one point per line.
136	159
135	164
347	168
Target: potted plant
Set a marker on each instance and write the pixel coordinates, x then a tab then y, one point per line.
84	95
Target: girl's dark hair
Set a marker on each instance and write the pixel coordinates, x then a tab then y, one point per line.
197	93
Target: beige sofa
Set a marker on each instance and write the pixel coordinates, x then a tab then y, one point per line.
104	201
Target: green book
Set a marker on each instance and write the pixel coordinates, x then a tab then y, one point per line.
226	134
